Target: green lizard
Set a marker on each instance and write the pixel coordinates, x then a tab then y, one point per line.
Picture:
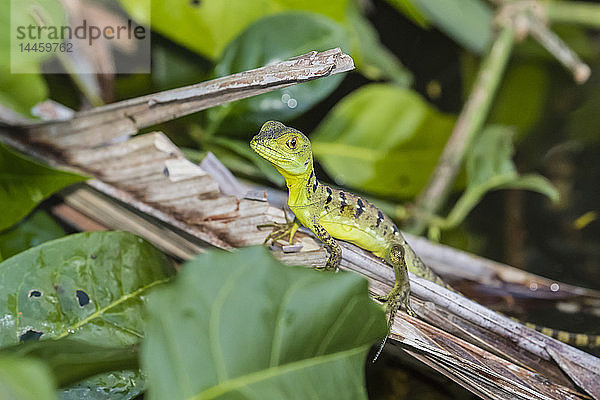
335	214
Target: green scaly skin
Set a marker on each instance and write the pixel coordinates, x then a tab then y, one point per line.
335	214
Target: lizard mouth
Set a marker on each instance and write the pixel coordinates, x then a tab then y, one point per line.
269	154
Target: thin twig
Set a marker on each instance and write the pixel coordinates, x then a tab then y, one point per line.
559	49
531	17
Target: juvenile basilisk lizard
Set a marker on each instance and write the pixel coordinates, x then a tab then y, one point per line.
335	214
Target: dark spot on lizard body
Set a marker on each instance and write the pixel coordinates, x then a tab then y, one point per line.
329	195
379	218
360	208
343	201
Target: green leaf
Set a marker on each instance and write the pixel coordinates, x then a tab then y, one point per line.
25	379
209	25
21	91
242	325
468	22
371	57
490	167
490	155
42	287
39	227
24	183
89	286
273	38
382	139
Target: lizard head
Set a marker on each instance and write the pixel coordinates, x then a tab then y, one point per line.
284	147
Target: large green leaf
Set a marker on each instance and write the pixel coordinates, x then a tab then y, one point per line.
242	325
273	38
24	183
207	26
88	286
39	227
489	167
25	379
468	22
383	139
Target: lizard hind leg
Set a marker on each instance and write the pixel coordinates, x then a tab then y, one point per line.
400	294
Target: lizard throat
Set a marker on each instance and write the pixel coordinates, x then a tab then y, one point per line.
302	188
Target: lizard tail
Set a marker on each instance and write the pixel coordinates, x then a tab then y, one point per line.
574	339
416	266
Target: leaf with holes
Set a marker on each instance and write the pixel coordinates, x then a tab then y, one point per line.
383	139
88	286
242	325
24	183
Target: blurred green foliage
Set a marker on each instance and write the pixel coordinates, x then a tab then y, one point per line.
20	92
469	22
25	379
379	130
489	166
271	39
207	26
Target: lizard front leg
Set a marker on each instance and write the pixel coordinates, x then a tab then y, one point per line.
335	251
281	230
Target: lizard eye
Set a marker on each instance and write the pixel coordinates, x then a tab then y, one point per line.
291	143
